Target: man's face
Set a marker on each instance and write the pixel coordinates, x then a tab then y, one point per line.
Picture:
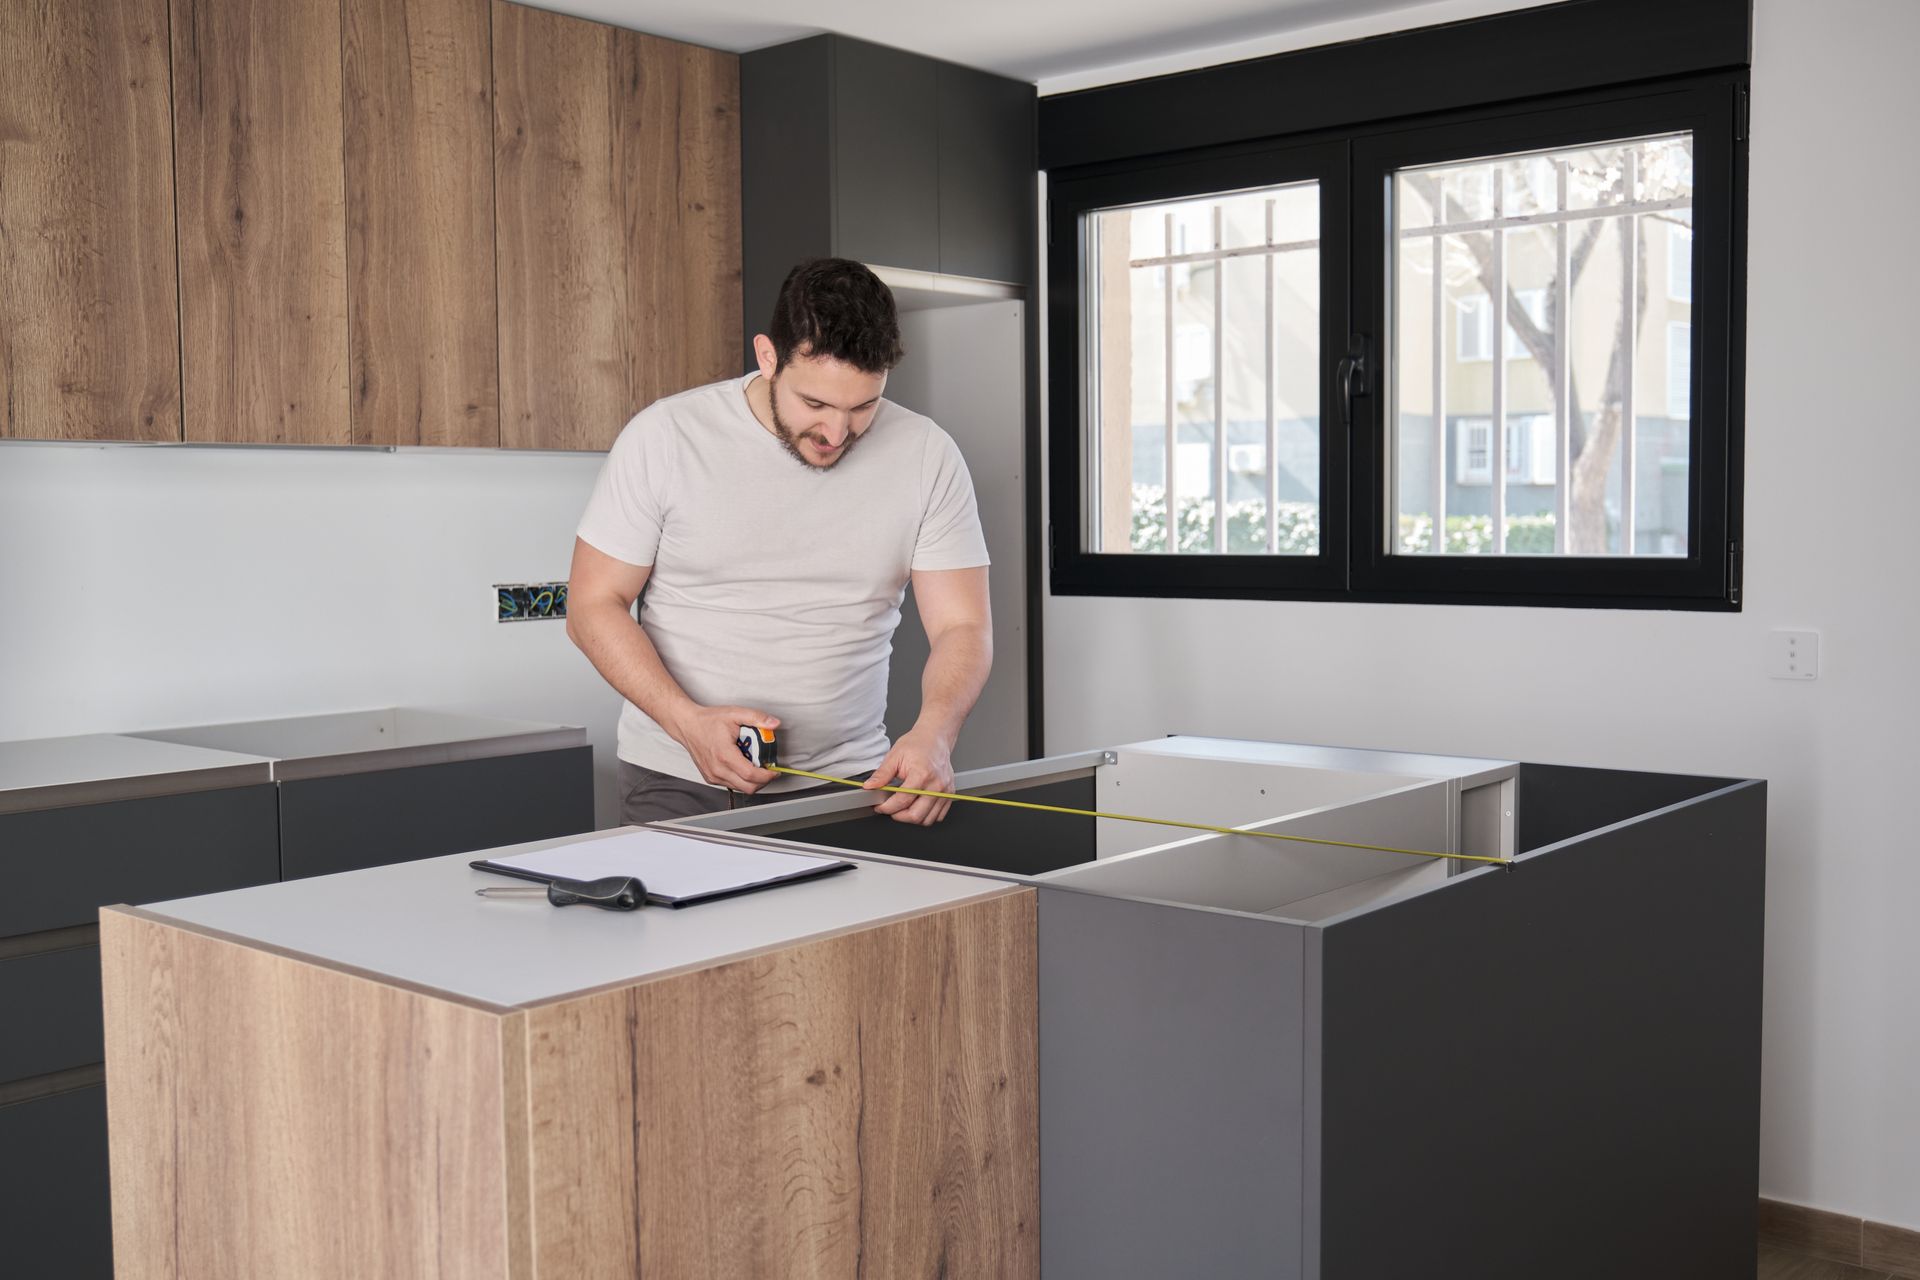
822	406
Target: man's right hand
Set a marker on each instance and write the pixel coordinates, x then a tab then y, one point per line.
711	736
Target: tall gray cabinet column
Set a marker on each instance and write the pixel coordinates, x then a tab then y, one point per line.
927	172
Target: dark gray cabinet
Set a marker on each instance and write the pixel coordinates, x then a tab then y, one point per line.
54	1216
62	864
356	820
856	150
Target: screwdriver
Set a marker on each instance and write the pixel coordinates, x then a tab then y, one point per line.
614	893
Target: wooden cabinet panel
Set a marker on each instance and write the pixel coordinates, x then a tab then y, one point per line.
683	186
617	213
418	87
89	341
257	148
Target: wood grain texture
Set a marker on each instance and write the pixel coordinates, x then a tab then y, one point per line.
418	89
617	213
257	147
1889	1248
860	1105
273	1117
89	339
1815	1232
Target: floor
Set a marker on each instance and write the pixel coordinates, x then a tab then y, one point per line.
1778	1264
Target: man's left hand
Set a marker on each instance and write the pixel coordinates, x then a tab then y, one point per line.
921	760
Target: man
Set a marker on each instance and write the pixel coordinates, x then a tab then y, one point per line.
773	522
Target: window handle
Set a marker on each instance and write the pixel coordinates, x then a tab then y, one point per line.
1352	377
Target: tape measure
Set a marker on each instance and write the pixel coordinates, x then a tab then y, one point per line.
758	746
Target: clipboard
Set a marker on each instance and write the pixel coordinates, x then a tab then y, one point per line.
677	870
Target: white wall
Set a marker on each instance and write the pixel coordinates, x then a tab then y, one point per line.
1832	449
142	588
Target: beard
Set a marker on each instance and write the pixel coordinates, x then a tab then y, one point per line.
791	438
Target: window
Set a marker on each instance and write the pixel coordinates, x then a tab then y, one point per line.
1529	452
1288	382
1206	384
1679	366
1679	261
1570	222
1474	339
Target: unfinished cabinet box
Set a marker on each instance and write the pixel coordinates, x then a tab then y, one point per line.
1288	1059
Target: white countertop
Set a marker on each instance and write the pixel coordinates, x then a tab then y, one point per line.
422	923
378	738
48	773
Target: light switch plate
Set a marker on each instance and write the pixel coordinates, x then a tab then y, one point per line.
1793	655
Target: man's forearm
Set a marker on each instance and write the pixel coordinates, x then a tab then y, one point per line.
621	651
960	658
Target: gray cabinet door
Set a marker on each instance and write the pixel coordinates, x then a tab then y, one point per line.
61	866
50	1004
398	815
54	1216
987	166
886	156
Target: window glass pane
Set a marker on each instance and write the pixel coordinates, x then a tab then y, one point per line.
1206	384
1520	444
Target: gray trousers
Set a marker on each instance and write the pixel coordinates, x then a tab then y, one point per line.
650	796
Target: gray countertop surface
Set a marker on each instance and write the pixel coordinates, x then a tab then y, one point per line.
380	738
51	773
421	923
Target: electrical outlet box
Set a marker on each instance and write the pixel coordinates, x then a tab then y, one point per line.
529	601
1793	655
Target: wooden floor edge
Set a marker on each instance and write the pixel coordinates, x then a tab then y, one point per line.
1840	1237
305	957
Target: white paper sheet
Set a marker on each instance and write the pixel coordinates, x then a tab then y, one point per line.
674	868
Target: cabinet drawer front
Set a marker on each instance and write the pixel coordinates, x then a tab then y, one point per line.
61	866
53	1186
398	815
50	1010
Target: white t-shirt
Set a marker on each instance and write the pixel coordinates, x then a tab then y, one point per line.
776	586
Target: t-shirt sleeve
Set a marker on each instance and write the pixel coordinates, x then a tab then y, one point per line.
950	535
624	514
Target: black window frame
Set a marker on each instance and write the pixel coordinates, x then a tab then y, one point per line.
1076	571
1355	563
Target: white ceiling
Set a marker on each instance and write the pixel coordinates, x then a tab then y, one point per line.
1039	40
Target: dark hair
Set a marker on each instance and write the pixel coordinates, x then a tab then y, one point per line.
835	307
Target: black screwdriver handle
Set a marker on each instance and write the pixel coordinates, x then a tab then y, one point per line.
614	893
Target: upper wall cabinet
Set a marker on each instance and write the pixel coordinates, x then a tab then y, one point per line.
263	278
860	151
418	88
617	171
89	348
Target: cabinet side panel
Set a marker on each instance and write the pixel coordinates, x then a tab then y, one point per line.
271	1117
1555	1068
258	140
1170	1075
419	185
89	338
866	1102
